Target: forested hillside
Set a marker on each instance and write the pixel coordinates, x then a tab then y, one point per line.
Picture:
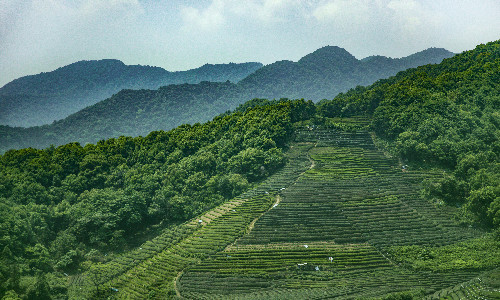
390	191
129	112
41	99
443	115
64	207
321	74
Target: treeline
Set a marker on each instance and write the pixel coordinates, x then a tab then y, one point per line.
61	207
129	113
442	115
321	74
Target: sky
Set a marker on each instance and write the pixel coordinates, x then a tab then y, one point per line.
43	35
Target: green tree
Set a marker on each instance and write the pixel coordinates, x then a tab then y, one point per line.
40	290
479	202
96	276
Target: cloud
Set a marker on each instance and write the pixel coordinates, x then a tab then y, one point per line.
410	15
345	12
266	10
220	13
9	16
41	35
403	5
210	18
47	21
90	7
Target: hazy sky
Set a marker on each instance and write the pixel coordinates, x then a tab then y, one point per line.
42	35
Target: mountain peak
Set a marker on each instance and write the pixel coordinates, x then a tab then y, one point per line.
429	55
331	54
435	50
101	63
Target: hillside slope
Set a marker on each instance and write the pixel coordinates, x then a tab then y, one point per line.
128	113
330	224
321	74
443	115
42	98
403	199
63	209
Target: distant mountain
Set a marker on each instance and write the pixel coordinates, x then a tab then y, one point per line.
129	112
385	67
329	71
41	99
320	75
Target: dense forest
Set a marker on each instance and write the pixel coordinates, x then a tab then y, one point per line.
46	97
65	208
129	112
62	206
321	74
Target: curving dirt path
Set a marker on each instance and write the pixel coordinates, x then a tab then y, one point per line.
249	228
252	224
177	293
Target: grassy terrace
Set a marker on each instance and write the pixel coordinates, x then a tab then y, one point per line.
326	226
352	206
478	288
152	269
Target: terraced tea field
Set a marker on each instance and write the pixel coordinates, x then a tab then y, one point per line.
473	289
320	228
152	269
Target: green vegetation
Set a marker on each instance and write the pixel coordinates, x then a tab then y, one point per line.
330	237
139	112
321	74
165	256
385	192
65	206
483	287
329	71
442	115
475	254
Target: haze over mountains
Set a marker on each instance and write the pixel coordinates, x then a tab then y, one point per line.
322	74
41	99
329	71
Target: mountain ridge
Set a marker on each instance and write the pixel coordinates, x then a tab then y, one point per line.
42	98
328	71
390	191
320	75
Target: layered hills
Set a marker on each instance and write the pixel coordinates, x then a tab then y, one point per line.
390	191
329	71
319	75
41	99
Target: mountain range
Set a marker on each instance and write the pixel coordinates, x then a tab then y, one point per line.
322	74
389	191
46	97
329	71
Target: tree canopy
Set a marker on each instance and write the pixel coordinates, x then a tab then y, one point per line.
61	203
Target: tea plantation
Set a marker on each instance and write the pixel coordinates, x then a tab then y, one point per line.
338	221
